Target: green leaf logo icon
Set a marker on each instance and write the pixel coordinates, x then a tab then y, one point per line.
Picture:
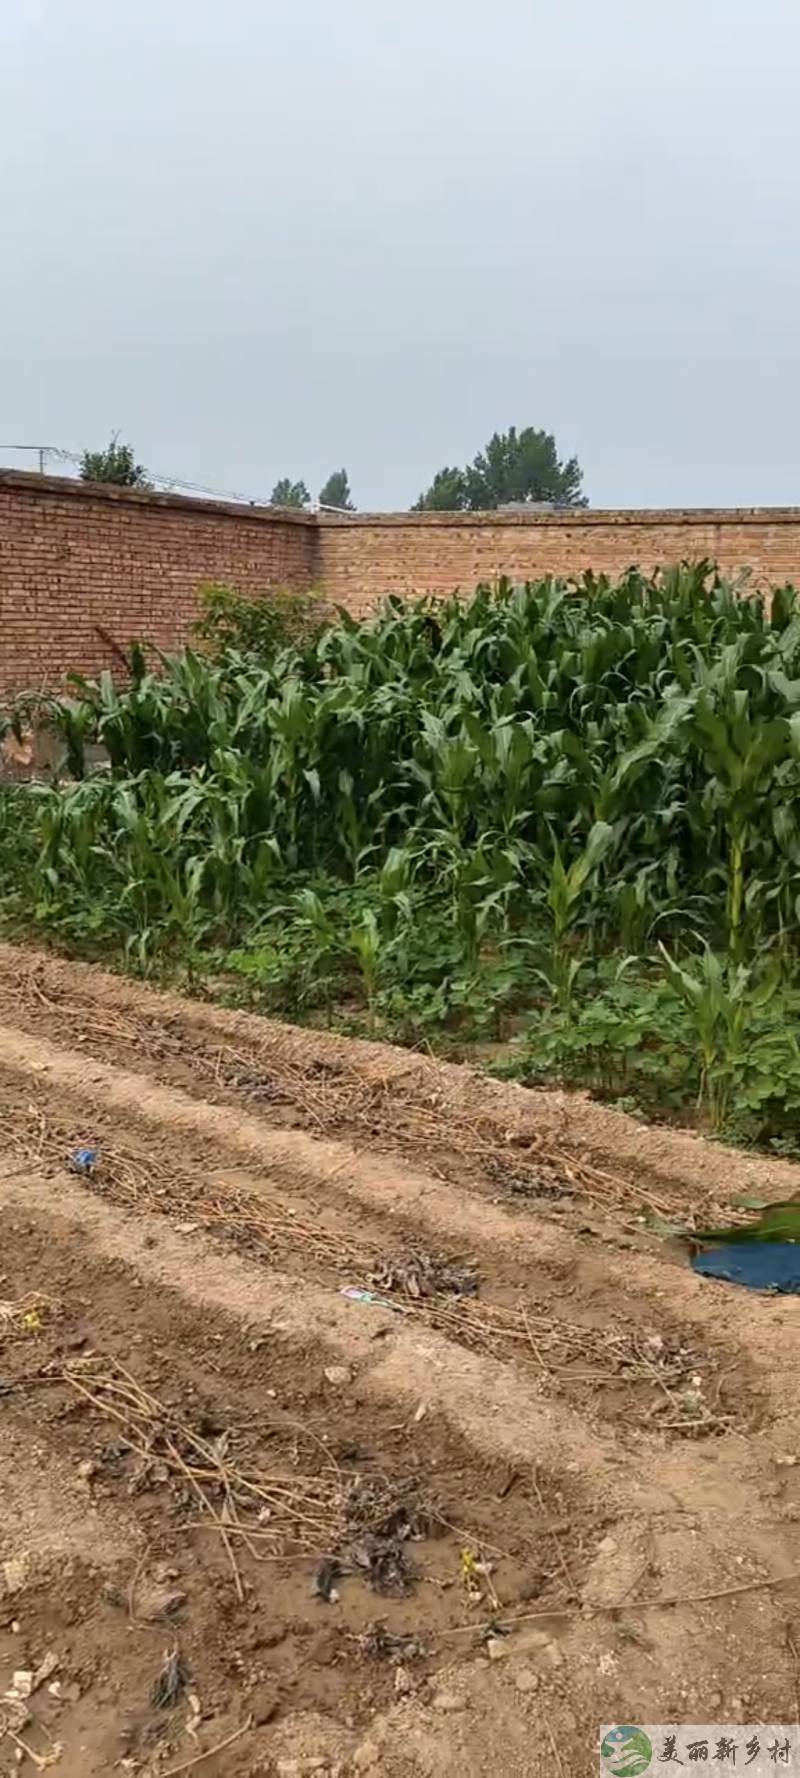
626	1752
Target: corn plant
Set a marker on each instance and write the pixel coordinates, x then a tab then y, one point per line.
564	897
423	803
365	944
719	995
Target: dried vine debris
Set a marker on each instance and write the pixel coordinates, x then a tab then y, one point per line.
443	1291
402	1113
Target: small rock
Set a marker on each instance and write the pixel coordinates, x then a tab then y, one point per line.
403	1682
786	1461
526	1680
554	1655
607	1547
162	1573
15	1573
529	1638
323	1648
263	1705
448	1701
269	1635
21	1685
496	1648
45	1669
338	1375
186	1228
72	1692
155	1603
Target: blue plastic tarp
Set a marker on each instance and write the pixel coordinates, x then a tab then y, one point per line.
758	1265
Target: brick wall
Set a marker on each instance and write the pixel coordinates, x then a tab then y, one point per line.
363	558
79	559
74	557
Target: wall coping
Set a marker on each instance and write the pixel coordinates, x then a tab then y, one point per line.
577	518
573	518
25	481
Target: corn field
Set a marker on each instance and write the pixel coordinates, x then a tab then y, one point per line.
452	817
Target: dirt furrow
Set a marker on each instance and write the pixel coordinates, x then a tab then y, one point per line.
481	1130
136	1291
540	1287
570	1423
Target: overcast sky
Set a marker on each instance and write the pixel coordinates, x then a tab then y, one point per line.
262	239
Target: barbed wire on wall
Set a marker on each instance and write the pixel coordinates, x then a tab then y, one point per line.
47	453
166	483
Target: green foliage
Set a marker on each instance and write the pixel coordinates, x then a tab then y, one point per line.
564	815
232	623
336	492
777	1222
719	995
628	1042
516	468
565	893
447	493
289	493
634	1041
115	464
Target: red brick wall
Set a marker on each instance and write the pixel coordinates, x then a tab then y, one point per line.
74	556
363	558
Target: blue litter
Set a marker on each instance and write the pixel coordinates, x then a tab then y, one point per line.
758	1265
355	1294
83	1159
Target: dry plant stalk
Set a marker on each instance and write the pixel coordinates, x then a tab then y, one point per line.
24	1314
532	1334
268	1071
305	1511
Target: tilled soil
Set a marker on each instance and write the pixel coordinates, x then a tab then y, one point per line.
354	1418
